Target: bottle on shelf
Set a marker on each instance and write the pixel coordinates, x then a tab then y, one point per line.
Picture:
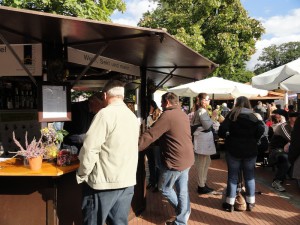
9	97
31	101
22	99
17	98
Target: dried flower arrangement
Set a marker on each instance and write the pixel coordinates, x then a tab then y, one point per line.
32	150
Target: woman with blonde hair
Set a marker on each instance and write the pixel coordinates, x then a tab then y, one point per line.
242	131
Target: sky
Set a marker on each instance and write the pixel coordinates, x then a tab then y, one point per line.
280	18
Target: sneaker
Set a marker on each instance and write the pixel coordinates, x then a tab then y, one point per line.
277	185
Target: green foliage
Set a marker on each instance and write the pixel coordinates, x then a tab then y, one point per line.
274	56
60	134
89	9
221	30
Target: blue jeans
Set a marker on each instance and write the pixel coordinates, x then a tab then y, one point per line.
179	199
109	207
247	166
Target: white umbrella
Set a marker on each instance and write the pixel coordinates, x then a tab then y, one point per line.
291	84
218	87
286	77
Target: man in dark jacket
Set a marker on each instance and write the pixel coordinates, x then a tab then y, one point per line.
279	151
281	112
294	150
173	129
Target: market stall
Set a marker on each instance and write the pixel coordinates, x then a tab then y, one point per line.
80	53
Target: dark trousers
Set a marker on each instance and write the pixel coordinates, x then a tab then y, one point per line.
154	163
151	165
109	207
283	166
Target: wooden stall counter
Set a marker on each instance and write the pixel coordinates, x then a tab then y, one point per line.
49	196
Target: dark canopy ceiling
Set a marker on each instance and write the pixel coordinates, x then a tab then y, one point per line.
154	50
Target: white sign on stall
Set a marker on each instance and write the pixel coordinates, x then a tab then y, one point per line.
83	58
54	101
30	55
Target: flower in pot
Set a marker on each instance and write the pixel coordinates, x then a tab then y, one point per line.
34	152
52	140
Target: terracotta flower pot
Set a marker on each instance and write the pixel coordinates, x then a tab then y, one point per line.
35	163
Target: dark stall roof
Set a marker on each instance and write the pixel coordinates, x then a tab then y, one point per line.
153	49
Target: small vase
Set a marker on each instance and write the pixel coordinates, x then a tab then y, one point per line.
35	163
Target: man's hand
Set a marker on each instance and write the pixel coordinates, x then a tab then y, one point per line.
286	147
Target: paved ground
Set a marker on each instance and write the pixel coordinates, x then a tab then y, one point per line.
271	207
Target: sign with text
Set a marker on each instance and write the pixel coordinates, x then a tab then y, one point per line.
83	58
30	55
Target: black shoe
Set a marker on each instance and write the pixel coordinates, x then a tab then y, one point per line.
227	207
204	190
250	206
211	190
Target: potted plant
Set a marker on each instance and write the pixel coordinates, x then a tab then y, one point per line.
34	152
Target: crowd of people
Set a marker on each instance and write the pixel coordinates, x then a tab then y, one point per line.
173	142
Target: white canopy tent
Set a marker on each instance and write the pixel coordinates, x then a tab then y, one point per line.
219	87
285	77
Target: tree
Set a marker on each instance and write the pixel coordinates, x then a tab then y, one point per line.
219	29
274	56
89	9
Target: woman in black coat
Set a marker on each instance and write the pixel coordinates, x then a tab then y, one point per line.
242	131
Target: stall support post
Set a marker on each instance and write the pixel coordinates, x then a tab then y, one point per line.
298	102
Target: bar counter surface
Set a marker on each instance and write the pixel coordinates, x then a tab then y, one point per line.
15	167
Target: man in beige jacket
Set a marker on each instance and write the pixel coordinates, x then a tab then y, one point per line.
108	161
